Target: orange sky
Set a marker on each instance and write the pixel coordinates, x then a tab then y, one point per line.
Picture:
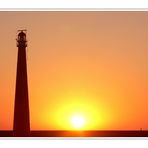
92	63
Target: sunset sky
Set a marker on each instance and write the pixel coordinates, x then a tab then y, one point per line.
90	64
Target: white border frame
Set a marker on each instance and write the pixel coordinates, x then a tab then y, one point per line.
74	5
70	4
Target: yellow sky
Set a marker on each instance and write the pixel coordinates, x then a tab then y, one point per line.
89	63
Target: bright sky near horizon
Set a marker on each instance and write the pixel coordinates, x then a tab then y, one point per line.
90	64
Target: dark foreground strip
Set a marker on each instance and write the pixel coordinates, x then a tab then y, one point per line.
78	134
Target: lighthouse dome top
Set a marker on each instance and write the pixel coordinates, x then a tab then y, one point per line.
21	39
22	33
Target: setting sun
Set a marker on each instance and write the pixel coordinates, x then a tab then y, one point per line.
78	121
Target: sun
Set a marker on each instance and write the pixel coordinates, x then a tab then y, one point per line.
78	121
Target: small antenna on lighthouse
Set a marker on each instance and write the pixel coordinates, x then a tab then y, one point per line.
22	30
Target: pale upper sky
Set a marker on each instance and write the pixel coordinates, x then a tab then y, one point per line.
90	63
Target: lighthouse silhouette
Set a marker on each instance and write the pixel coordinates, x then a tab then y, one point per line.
21	123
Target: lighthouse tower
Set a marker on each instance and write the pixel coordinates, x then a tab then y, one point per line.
21	124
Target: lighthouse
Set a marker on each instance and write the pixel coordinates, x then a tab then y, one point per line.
21	123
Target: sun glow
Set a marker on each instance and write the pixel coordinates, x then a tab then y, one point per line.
74	114
78	121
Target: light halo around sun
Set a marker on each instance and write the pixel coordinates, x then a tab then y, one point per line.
78	121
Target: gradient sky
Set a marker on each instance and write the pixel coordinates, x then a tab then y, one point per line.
90	63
